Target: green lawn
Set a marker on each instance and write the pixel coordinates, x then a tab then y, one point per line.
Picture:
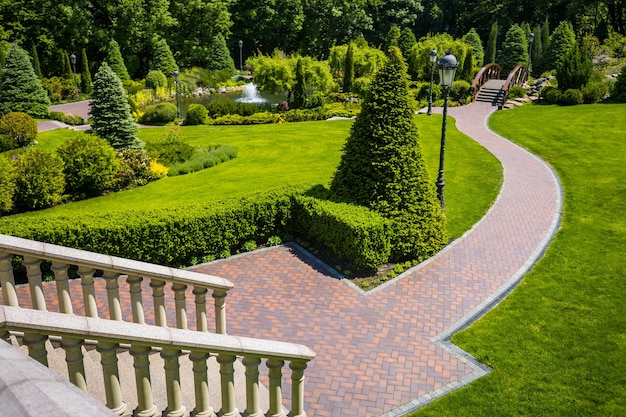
271	156
557	344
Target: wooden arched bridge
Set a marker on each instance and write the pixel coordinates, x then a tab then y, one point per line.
489	87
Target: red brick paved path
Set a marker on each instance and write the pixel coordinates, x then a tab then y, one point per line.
386	352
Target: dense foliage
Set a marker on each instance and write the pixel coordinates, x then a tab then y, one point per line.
159	114
619	90
19	130
514	49
7	185
39	179
575	70
219	56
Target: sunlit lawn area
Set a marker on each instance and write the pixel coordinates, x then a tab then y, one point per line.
557	344
271	156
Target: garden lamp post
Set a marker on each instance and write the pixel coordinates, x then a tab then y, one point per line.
73	61
531	39
433	59
177	103
447	71
240	56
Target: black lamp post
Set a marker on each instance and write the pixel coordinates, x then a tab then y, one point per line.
73	61
177	103
433	59
447	71
531	39
240	56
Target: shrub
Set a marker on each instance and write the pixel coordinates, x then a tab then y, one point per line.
67	118
134	169
155	79
59	88
6	143
159	114
553	96
196	115
460	90
171	149
517	92
257	118
20	128
39	179
619	89
316	100
594	92
90	164
282	106
205	157
572	97
7	185
221	107
575	70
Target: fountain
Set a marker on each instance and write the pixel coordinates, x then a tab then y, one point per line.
250	95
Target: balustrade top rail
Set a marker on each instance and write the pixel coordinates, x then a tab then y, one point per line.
488	72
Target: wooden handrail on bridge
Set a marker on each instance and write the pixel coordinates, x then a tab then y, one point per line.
488	72
518	76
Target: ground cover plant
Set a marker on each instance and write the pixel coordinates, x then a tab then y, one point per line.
557	343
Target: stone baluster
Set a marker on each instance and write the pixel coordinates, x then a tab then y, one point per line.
63	287
172	383
220	311
201	385
180	305
252	386
275	389
145	403
200	299
7	281
111	374
113	294
74	360
227	375
158	296
89	291
37	347
33	271
135	298
297	388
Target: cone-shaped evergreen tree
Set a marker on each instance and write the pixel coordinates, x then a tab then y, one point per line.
393	36
537	50
69	70
406	41
382	166
163	59
299	91
36	64
116	62
86	85
219	55
562	41
472	39
20	88
492	44
348	69
112	119
514	49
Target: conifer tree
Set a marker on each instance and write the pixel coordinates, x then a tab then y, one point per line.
393	36
545	34
382	166
619	89
348	69
562	41
163	59
36	64
514	49
86	85
299	91
219	55
575	70
116	62
68	69
20	88
406	41
112	119
537	50
492	44
472	39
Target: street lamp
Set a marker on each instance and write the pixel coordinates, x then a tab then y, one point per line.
73	61
433	59
240	56
447	71
177	103
531	39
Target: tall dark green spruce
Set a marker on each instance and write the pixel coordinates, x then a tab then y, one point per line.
36	64
219	55
20	88
116	62
112	119
492	44
348	69
382	166
163	59
86	85
299	91
514	49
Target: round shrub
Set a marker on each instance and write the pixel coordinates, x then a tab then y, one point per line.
572	97
594	92
221	107
134	169
90	164
197	114
553	96
20	128
517	92
39	179
7	185
460	90
316	100
158	114
155	79
172	149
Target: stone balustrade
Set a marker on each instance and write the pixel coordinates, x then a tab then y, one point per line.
144	339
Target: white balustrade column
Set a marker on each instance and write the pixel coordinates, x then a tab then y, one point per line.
33	270
63	287
89	291
113	294
145	406
201	385
220	311
37	347
200	300
111	374
180	305
227	374
7	281
135	298
158	297
276	393
172	383
297	388
75	361
252	386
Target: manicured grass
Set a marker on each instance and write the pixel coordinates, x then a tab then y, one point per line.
557	343
271	156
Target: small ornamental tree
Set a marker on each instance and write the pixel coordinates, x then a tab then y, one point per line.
219	58
163	59
492	44
562	41
619	89
116	62
20	88
393	36
473	40
68	69
86	85
39	179
19	128
514	49
382	166
36	64
406	41
348	69
575	70
537	50
299	91
112	119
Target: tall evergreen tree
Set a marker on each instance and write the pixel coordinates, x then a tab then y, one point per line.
492	44
299	91
86	85
219	55
575	70
545	34
562	41
514	49
348	69
406	41
393	36
20	88
36	64
68	69
116	62
472	39
163	59
382	166
112	119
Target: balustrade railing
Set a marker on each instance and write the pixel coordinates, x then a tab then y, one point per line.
517	77
488	72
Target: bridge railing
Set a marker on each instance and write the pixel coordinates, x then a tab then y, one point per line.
488	72
517	77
